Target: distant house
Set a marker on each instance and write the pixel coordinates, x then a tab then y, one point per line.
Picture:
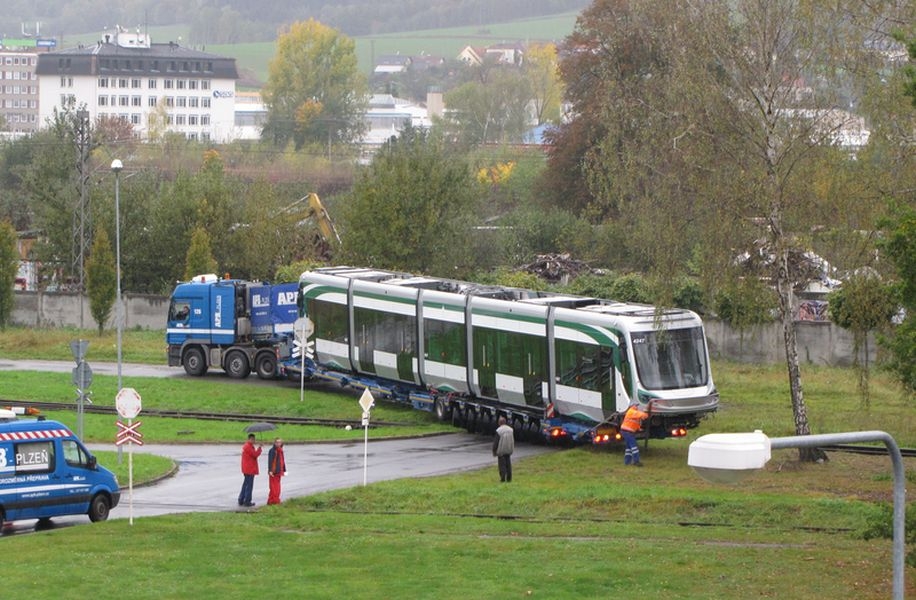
392	63
511	54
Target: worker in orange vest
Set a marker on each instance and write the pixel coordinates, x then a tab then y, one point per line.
632	423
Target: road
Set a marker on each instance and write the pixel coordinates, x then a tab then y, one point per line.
209	476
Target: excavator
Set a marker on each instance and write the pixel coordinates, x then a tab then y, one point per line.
313	212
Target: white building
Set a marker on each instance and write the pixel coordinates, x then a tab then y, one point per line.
18	91
128	77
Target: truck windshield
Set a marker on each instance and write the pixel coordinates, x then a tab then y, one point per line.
672	359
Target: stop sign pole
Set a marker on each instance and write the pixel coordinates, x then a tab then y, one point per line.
128	404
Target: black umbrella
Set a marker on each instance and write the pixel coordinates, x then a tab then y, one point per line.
259	427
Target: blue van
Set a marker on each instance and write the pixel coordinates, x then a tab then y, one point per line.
45	471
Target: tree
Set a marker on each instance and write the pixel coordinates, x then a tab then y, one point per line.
701	125
9	266
413	209
200	259
101	279
900	247
863	304
542	71
493	110
314	90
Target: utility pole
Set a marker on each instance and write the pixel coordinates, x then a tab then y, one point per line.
81	216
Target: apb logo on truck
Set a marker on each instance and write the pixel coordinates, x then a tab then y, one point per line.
45	471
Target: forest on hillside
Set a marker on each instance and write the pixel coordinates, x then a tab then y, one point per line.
236	21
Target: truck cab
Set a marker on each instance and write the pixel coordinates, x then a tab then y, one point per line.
45	472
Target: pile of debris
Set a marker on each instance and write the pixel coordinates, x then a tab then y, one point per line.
556	268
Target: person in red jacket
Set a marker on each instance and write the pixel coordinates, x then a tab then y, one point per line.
632	423
250	456
276	468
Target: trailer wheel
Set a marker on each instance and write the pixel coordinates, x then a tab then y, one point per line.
99	508
266	366
443	411
237	365
194	363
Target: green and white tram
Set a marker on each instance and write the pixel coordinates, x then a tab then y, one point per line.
564	366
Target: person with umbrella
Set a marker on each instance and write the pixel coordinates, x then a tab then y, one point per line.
276	468
250	456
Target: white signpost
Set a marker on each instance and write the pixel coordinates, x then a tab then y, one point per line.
128	404
366	402
303	329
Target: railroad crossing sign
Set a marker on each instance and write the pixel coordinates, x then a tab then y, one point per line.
128	403
129	434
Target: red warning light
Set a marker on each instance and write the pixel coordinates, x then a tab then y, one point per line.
678	432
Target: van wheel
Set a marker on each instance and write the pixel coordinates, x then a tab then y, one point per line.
237	365
194	363
266	366
99	508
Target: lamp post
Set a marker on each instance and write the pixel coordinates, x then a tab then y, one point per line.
731	457
116	167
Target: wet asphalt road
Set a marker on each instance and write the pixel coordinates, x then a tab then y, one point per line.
208	477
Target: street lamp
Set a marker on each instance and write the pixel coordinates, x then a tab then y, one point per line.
116	167
731	457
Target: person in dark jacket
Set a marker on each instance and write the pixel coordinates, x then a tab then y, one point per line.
250	456
276	468
503	447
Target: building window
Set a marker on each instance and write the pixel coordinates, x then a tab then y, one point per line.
167	84
169	101
204	119
136	101
192	137
103	82
193	101
151	84
179	119
122	83
205	84
205	102
192	84
155	66
135	84
182	102
152	102
192	119
180	84
123	100
135	118
103	101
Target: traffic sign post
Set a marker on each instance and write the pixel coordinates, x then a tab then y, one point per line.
82	379
366	402
128	403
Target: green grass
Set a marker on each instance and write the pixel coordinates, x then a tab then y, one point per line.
573	524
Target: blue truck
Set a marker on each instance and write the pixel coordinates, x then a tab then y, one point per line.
45	472
231	324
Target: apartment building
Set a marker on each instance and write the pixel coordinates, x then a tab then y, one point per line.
18	91
154	87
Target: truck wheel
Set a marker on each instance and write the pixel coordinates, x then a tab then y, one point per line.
443	412
194	363
266	366
237	365
99	508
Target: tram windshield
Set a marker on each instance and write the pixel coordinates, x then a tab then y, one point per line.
671	359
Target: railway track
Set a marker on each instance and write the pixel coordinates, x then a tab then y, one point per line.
207	416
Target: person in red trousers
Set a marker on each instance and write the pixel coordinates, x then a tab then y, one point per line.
276	468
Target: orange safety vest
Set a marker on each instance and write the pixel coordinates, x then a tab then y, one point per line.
632	420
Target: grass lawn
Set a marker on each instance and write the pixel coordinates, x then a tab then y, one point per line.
573	524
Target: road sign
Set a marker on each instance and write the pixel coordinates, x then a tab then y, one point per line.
82	375
128	403
129	433
78	348
366	400
303	328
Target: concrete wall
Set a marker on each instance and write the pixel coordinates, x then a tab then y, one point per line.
821	343
38	309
